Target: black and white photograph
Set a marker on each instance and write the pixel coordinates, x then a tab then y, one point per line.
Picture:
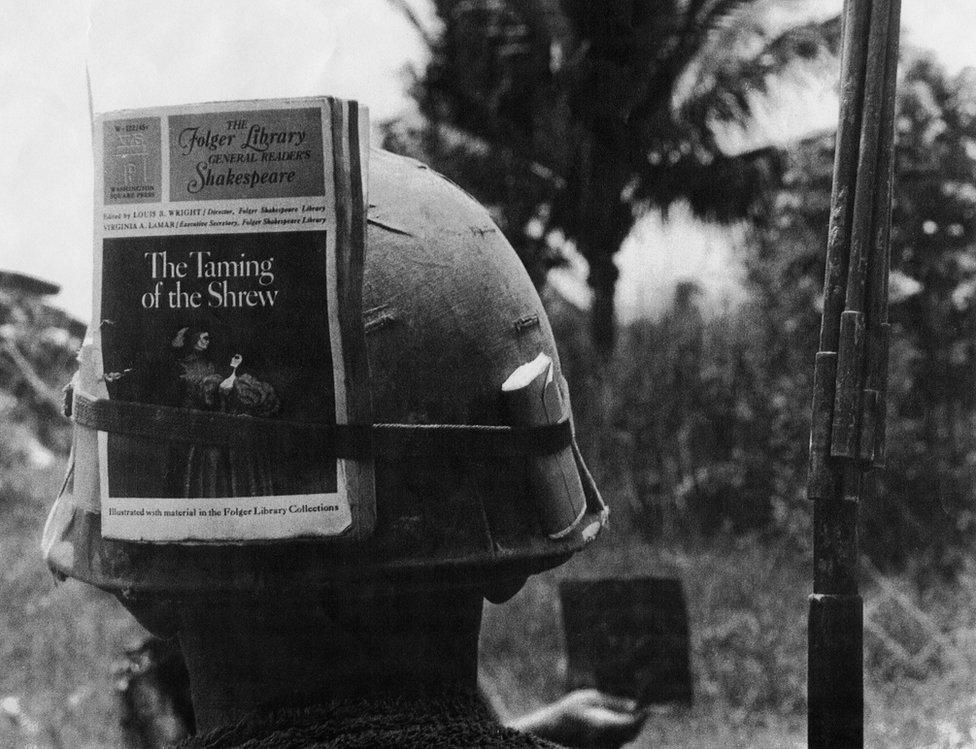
488	373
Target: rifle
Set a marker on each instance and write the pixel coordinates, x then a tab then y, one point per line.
850	372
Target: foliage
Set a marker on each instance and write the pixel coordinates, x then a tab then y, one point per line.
747	605
37	348
697	431
928	487
56	681
747	612
565	116
710	415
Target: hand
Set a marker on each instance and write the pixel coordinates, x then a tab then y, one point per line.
586	717
180	338
227	385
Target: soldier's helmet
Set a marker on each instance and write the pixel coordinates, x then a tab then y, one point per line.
449	315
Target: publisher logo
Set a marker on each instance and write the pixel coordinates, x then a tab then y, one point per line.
133	171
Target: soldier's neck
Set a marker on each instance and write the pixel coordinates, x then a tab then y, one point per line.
248	657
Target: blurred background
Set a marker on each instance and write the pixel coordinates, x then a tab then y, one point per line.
663	168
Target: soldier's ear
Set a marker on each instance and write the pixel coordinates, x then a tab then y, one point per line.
501	590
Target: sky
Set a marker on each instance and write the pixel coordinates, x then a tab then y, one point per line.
154	53
142	53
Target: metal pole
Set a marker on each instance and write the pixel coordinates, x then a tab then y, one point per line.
850	372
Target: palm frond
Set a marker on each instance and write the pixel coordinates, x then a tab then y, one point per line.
717	14
725	82
700	19
717	187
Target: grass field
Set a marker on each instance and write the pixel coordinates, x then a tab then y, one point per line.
747	601
748	642
747	605
59	639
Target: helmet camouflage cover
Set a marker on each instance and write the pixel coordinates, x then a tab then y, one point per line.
449	314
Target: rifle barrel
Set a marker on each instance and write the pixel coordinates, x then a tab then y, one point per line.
850	373
853	64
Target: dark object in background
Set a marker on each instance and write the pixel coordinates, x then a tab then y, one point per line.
28	285
628	637
154	689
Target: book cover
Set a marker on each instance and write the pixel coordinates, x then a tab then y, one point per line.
228	245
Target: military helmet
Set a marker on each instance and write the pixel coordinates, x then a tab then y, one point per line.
448	313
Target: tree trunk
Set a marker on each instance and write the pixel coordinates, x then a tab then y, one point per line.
603	319
604	221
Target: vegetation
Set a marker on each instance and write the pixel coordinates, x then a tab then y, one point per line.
698	429
568	115
696	426
59	641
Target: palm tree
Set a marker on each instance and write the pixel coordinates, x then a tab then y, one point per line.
569	115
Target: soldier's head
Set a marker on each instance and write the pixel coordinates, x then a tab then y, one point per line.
449	314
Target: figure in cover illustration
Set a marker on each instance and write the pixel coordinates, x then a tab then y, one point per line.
170	339
203	385
208	471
